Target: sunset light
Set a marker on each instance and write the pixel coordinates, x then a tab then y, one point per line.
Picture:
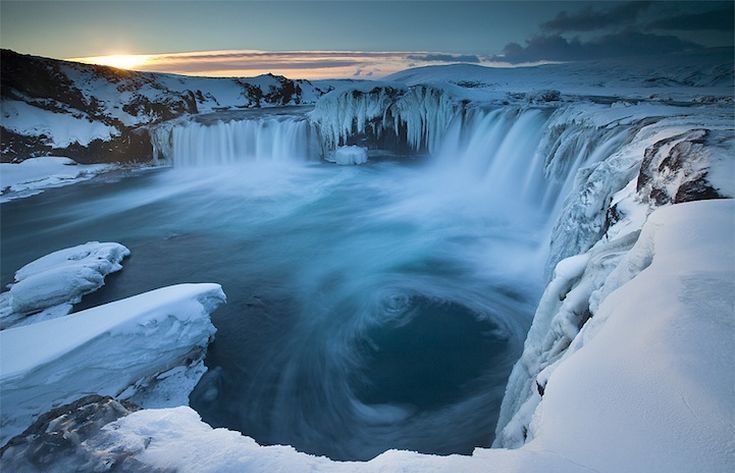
121	61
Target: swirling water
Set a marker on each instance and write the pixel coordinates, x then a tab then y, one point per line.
369	307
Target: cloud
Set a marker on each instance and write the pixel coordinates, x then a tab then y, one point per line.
293	64
192	67
444	57
589	19
626	43
714	20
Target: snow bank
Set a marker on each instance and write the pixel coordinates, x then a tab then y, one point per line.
347	155
102	350
50	285
33	175
651	373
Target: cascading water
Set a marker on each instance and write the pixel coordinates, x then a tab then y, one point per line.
236	141
369	307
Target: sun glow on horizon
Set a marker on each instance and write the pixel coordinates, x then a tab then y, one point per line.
121	61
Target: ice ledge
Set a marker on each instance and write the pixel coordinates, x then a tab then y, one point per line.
102	350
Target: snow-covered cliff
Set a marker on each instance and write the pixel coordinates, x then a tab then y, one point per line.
671	161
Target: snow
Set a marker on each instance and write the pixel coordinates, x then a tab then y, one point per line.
34	175
348	155
682	76
102	350
60	129
651	374
53	283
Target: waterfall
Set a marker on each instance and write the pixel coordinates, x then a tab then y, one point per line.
523	155
270	138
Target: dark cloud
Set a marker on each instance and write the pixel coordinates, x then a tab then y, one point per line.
590	19
626	43
714	20
444	57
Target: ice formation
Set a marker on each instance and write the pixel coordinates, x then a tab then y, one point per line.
113	349
48	287
421	113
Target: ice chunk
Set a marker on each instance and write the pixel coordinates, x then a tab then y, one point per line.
347	155
53	283
102	350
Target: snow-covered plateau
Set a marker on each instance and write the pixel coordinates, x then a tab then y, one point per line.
623	171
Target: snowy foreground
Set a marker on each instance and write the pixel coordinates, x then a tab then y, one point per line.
115	349
648	386
34	175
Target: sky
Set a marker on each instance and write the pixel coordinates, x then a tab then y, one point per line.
307	39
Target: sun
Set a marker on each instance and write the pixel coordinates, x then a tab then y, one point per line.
121	61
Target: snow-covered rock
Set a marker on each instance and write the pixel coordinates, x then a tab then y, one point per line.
48	287
110	350
34	175
348	155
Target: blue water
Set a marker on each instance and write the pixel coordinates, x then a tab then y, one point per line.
368	307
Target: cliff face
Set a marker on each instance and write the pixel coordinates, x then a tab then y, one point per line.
100	114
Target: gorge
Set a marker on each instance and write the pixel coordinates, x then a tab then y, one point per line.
460	290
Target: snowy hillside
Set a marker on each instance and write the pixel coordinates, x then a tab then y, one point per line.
98	114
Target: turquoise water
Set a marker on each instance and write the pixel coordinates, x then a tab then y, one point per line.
368	307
